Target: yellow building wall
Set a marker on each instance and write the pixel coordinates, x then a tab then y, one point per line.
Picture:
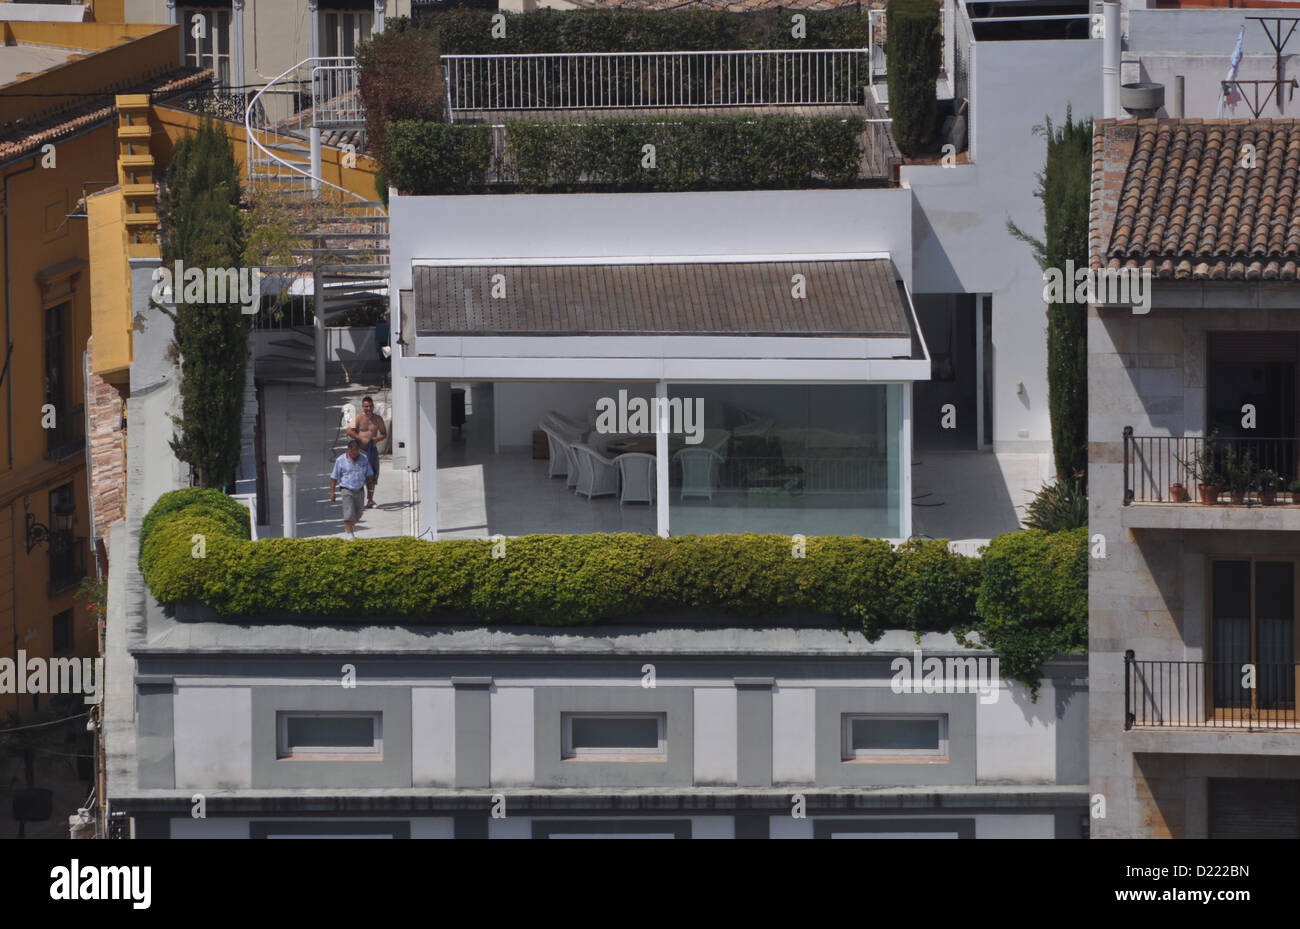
110	287
43	263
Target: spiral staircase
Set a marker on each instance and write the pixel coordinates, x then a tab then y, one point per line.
340	255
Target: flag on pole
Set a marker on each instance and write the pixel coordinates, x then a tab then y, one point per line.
1234	63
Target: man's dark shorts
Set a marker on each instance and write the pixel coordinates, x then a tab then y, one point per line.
372	452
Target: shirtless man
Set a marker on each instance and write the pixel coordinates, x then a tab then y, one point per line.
369	430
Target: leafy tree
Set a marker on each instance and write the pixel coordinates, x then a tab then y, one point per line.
1064	187
203	228
399	77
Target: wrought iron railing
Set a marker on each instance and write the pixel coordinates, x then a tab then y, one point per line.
1154	465
1209	694
68	436
614	80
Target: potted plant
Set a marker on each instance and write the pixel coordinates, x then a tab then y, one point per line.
1239	474
1178	492
1204	470
1268	481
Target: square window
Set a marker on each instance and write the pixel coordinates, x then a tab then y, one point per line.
330	736
63	632
871	737
615	736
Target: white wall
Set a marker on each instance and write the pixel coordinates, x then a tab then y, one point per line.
433	736
794	730
511	735
715	735
960	221
1015	739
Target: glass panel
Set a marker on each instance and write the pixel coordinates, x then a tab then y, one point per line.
810	459
606	732
331	731
1275	633
1231	621
886	735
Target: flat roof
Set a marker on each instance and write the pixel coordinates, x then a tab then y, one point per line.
857	298
31	59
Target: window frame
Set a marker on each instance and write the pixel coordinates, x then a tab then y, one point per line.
850	755
286	752
66	616
1214	711
570	752
223	40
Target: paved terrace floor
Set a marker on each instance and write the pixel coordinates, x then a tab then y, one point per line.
306	420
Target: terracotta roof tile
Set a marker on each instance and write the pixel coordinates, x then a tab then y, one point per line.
1185	198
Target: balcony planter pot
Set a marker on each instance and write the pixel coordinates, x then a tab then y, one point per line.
1237	497
1268	497
1209	493
1178	493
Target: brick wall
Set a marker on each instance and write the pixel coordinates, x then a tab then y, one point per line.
107	449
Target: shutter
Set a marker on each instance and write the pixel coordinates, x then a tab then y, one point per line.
1254	809
1252	346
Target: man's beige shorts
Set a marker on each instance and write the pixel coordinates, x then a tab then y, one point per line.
354	501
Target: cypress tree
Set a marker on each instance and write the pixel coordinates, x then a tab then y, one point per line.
913	49
1064	187
202	228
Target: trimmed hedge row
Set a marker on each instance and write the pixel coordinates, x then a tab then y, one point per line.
1027	597
690	153
469	32
914	49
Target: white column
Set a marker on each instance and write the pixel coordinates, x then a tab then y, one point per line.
318	330
661	458
380	6
426	399
289	493
1110	56
314	136
313	29
905	454
237	77
171	12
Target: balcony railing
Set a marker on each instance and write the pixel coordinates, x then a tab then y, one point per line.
1209	694
1154	464
68	437
616	80
67	562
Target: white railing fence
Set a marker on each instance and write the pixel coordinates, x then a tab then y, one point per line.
611	80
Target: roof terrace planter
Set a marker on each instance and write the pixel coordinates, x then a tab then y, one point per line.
1032	586
683	153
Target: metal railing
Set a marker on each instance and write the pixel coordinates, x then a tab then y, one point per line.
335	100
616	80
68	436
274	120
1209	694
1153	464
963	66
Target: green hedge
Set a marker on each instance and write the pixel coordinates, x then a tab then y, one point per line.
914	50
690	153
1026	598
469	32
1033	599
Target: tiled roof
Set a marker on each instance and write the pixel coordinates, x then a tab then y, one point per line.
1185	199
22	141
843	298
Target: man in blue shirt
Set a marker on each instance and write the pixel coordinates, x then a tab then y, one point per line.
351	471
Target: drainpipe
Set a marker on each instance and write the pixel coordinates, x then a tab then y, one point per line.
1110	54
1178	96
9	314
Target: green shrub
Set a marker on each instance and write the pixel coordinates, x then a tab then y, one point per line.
1027	597
437	158
914	49
1033	599
690	153
1058	506
469	32
399	76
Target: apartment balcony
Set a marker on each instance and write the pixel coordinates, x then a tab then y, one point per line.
1211	707
68	437
1248	489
